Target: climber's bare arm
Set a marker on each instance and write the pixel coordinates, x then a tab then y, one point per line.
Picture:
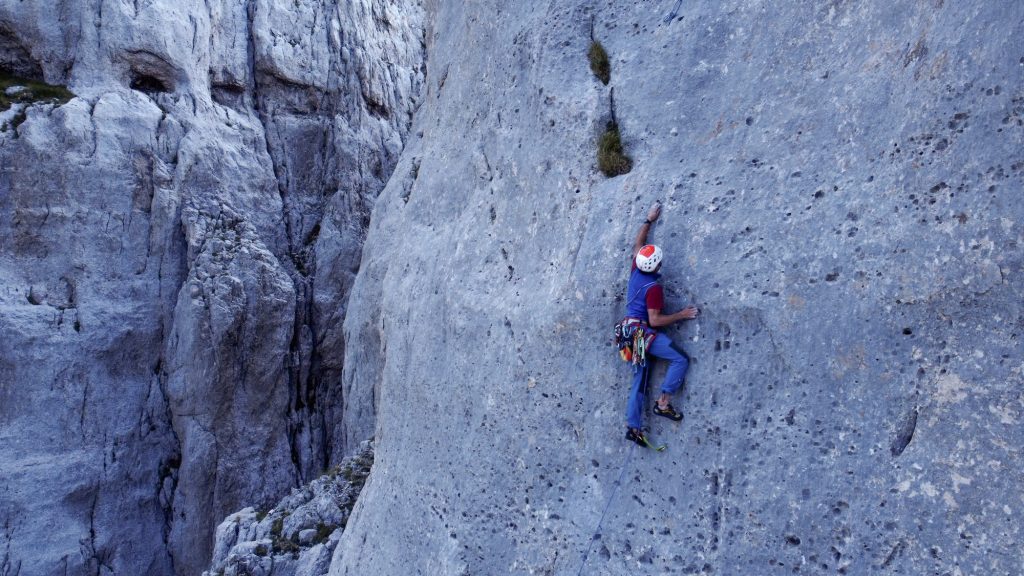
658	320
641	236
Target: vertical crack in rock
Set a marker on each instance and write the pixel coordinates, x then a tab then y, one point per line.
317	179
294	268
96	559
8	566
328	156
170	267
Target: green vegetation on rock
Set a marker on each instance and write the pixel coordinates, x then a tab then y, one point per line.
357	469
32	91
279	542
611	159
599	63
323	532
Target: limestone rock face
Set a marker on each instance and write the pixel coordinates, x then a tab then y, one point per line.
841	187
298	535
189	325
176	248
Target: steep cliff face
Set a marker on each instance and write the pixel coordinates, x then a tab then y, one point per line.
297	537
176	248
179	241
841	186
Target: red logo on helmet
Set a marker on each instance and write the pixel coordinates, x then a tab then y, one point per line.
647	251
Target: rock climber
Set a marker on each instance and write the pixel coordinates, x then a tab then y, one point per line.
645	299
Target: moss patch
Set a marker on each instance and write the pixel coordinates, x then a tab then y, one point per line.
323	532
599	63
611	159
357	470
33	92
281	543
19	117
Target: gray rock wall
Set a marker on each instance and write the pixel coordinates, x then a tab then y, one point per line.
178	243
841	185
176	248
298	535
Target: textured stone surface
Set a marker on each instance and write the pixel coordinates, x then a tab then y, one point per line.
297	536
841	185
176	248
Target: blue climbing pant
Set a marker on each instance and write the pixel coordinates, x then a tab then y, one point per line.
677	364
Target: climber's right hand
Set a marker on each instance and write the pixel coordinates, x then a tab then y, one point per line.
654	212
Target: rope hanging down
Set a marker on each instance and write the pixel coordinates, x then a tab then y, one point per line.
615	490
597	531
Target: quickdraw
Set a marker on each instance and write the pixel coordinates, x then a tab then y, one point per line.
633	338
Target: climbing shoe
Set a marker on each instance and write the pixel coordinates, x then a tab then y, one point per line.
668	412
634	435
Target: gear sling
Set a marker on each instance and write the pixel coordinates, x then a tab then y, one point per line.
633	336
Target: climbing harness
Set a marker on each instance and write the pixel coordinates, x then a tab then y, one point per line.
632	338
674	12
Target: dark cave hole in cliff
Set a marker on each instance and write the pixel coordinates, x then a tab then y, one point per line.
230	95
375	107
16	70
148	84
149	72
15	60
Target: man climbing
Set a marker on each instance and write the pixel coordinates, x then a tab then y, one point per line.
644	302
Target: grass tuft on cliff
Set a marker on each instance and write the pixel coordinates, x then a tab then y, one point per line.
599	63
611	159
280	542
323	532
32	91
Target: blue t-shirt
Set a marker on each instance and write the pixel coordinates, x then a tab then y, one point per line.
642	293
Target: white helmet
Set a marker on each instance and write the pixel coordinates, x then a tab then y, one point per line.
648	258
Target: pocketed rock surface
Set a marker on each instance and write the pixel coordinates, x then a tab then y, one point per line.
841	185
191	324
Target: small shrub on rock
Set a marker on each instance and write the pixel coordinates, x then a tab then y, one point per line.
280	543
357	470
14	89
599	63
323	532
611	159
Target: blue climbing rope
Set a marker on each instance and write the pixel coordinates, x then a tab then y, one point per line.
607	506
615	490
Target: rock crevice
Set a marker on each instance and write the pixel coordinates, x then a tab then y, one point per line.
206	196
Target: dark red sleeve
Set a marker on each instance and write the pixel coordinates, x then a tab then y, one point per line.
655	298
